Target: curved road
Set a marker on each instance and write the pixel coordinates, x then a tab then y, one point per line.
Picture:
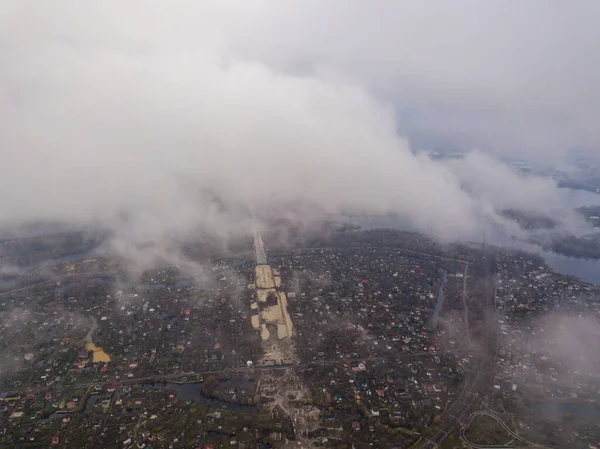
499	421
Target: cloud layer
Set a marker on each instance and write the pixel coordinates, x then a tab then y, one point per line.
164	118
518	80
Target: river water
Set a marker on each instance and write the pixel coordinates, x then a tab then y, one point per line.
587	270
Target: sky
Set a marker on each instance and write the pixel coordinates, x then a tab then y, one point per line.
156	119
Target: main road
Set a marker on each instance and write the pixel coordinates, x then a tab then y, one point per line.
259	249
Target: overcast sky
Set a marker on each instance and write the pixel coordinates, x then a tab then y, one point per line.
497	75
143	110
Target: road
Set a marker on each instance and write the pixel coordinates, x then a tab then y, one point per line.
259	250
464	298
497	419
458	413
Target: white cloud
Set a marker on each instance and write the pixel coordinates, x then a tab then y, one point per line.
521	78
113	110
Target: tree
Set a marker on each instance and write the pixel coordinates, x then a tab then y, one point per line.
209	386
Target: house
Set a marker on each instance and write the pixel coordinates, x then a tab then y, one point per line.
215	415
356	426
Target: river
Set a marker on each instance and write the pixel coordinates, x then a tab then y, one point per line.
587	270
578	198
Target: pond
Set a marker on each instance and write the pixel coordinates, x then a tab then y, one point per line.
91	401
191	391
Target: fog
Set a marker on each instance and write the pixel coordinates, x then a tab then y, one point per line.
163	120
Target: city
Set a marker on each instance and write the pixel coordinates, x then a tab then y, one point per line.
359	339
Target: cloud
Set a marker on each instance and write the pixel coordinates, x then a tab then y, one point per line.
464	74
490	181
169	119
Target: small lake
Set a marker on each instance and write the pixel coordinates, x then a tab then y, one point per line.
91	401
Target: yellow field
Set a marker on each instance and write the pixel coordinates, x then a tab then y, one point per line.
287	319
266	280
282	331
265	334
272	314
255	323
99	354
264	294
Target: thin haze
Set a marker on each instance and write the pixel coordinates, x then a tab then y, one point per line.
161	118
